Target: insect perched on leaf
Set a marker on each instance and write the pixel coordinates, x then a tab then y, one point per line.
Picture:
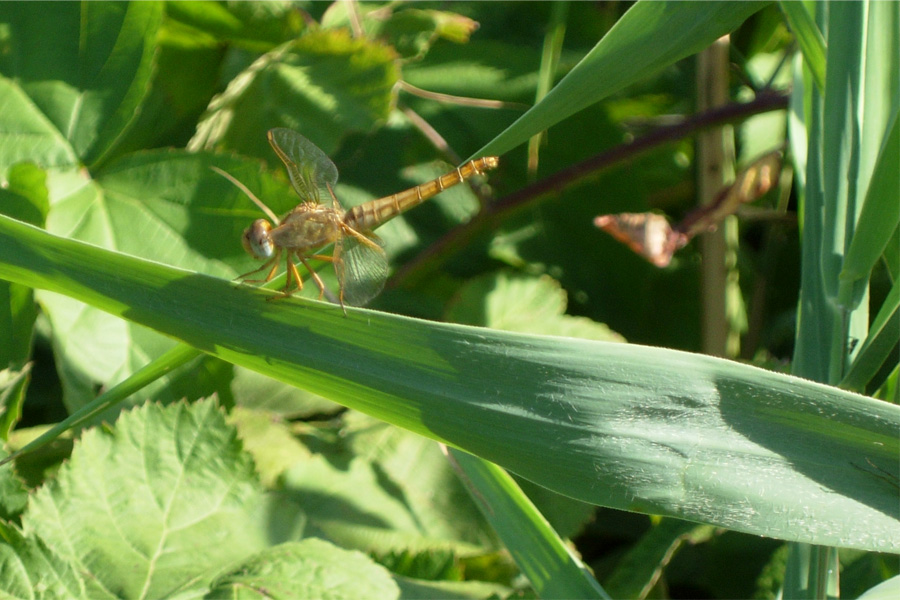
359	261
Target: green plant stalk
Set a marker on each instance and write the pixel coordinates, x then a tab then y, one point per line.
539	552
688	28
553	41
876	348
159	367
833	315
812	44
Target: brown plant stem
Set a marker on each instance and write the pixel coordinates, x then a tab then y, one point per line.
493	214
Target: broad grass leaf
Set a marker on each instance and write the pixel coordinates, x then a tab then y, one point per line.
638	428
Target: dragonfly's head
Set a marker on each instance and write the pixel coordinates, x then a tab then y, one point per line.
256	239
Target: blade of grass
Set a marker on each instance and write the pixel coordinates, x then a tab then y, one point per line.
157	368
881	340
843	142
631	427
652	35
553	41
812	44
879	218
537	549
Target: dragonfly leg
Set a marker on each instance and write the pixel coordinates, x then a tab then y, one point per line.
292	276
331	259
362	239
315	276
292	271
272	262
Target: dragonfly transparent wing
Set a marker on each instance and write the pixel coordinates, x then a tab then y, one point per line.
310	170
361	269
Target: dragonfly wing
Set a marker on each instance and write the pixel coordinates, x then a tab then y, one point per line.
310	169
361	269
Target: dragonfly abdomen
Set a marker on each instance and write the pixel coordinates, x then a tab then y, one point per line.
370	215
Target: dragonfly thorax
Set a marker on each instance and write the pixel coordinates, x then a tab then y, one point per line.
256	240
308	227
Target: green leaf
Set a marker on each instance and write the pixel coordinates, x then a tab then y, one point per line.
640	569
880	214
847	123
884	590
163	500
524	304
308	569
12	395
812	44
13	493
631	427
451	590
652	35
374	493
270	441
25	133
29	569
884	333
163	205
322	73
26	198
257	25
551	567
112	398
411	32
85	66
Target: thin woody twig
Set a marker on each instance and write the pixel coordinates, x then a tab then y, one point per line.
459	100
531	194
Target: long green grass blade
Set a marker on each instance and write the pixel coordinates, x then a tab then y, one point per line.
540	553
652	35
625	426
812	44
880	215
884	334
847	126
157	368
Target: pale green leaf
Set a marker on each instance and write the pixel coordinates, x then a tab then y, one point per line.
884	590
524	304
167	206
812	44
880	214
544	558
166	497
360	504
322	73
308	569
631	427
31	571
643	564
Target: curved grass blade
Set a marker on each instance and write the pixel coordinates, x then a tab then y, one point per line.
543	557
652	35
631	427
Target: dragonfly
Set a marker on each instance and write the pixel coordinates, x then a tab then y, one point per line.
360	262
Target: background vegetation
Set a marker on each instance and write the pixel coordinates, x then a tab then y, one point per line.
673	474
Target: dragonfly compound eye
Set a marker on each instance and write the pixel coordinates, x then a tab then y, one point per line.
256	239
